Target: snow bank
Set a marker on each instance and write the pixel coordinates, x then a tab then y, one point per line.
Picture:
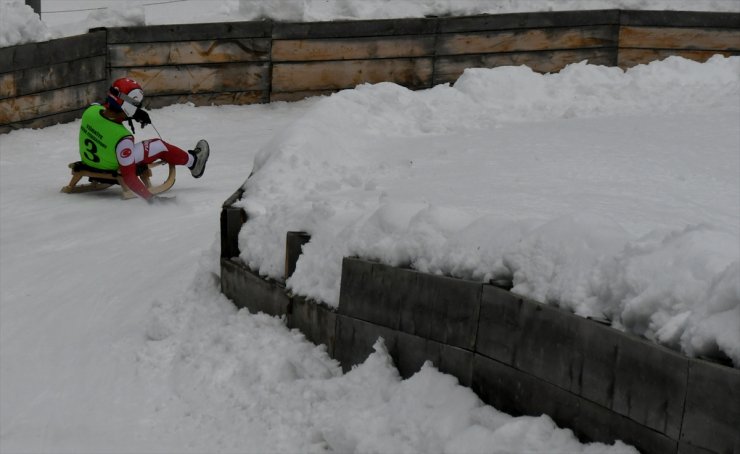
20	25
154	359
248	384
610	193
322	10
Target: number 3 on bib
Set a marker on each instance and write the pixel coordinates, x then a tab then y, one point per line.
92	151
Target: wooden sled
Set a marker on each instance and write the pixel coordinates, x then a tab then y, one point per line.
103	179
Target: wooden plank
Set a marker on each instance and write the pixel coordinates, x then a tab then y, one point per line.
527	40
290	96
679	38
189	52
189	32
352	48
42	122
28	107
317	321
34	80
712	408
619	372
31	55
355	28
633	57
680	18
547	19
175	80
448	69
519	393
410	72
209	99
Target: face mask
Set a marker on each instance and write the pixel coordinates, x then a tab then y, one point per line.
131	102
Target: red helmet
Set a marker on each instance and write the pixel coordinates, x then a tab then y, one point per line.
125	94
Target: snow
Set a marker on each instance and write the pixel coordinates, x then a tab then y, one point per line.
114	336
59	18
606	192
613	194
19	24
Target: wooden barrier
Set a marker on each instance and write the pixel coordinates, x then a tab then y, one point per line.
645	36
544	42
51	82
263	61
522	356
332	56
224	63
519	355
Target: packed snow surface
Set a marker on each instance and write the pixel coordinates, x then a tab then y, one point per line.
115	338
610	193
18	23
605	192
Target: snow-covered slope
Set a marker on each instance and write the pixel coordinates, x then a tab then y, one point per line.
610	193
115	338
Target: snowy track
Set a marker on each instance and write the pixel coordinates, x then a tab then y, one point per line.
80	273
115	338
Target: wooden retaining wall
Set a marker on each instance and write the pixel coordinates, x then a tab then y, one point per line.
544	42
521	356
310	59
253	62
645	36
51	82
227	63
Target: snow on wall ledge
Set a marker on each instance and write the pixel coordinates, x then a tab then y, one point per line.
610	193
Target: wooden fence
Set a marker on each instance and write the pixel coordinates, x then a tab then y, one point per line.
256	62
519	355
51	82
205	64
310	59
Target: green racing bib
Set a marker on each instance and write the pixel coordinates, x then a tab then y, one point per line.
98	139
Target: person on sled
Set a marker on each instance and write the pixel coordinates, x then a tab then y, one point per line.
106	144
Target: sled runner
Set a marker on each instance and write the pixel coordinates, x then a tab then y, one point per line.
102	179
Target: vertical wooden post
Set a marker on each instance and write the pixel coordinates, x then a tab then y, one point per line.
293	247
232	219
35	5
